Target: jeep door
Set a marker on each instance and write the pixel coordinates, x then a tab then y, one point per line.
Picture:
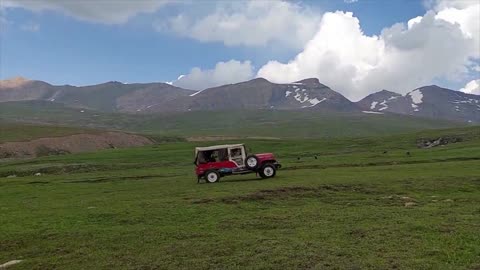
237	155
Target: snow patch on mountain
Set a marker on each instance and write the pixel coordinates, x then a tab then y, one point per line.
416	96
469	101
300	98
194	94
300	95
372	112
54	96
415	107
314	102
384	104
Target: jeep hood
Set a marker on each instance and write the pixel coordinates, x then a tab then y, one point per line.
265	156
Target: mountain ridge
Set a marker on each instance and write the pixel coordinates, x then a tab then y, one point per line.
429	101
308	94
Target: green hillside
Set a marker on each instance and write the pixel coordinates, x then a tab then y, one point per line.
282	124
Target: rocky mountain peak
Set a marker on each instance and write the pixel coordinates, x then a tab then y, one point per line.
309	81
386	92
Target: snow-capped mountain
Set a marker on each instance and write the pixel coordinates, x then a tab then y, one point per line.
309	94
428	101
262	94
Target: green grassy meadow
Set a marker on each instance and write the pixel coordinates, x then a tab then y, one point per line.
354	207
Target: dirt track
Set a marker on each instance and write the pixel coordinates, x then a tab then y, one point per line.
71	144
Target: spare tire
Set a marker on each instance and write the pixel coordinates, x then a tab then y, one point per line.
251	162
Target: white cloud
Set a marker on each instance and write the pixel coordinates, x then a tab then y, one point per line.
414	21
439	5
249	23
472	87
403	57
232	71
350	1
464	13
101	11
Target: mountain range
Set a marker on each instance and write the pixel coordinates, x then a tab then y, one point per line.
257	94
428	101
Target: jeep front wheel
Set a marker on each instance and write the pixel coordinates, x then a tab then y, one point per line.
267	171
212	177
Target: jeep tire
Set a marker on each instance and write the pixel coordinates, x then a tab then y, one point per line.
212	176
268	170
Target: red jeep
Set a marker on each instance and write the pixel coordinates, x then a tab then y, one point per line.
214	162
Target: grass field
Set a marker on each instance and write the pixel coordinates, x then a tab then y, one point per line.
355	207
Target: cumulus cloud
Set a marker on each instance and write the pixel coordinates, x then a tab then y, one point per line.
101	11
402	57
232	71
472	87
464	13
249	23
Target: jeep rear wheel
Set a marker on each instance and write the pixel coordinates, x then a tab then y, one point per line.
212	177
251	162
267	171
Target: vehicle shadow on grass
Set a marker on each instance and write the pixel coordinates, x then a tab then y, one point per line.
255	179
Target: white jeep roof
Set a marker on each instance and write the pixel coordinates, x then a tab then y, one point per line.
215	147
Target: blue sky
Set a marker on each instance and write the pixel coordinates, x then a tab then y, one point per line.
60	46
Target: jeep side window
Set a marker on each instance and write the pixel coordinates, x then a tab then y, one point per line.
222	155
211	156
236	152
202	158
